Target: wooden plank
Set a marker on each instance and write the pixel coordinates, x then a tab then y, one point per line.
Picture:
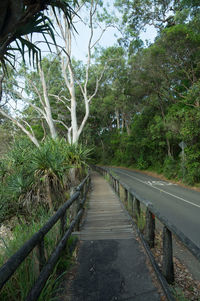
106	218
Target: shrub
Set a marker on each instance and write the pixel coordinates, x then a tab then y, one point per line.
142	163
32	176
23	279
170	167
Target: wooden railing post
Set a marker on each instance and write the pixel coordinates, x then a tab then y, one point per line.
79	200
125	196
130	200
63	223
167	264
136	208
115	184
118	188
41	254
150	228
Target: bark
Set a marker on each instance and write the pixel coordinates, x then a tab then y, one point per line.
167	140
49	197
127	127
74	129
117	118
46	106
19	125
123	122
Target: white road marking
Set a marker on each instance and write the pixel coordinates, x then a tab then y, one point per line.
147	183
159	183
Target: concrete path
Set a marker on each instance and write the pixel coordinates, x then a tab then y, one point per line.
111	262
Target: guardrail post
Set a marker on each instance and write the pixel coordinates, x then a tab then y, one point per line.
115	185
167	264
111	180
136	208
125	196
150	228
79	205
118	188
41	254
129	202
120	192
63	222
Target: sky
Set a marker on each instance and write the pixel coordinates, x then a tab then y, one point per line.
79	44
109	38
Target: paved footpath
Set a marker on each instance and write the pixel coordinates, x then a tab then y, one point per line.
111	262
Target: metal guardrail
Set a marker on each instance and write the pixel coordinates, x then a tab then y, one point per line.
37	240
131	198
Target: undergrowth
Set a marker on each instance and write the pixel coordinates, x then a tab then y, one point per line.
18	286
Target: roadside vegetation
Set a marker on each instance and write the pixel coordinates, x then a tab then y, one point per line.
149	116
135	103
34	183
32	178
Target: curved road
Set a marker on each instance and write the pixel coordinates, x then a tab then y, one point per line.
181	206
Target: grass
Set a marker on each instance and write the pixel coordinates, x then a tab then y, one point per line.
18	286
178	294
107	178
141	221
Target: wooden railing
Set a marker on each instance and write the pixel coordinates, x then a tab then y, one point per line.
37	241
133	202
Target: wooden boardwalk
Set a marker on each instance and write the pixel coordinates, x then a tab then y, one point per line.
111	263
106	218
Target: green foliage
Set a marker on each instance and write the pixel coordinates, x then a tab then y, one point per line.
20	283
141	221
23	279
33	176
150	102
28	18
191	164
50	159
141	163
179	294
170	168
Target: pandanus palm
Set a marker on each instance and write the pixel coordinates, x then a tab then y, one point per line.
19	18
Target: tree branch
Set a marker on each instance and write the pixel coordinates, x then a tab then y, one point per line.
16	122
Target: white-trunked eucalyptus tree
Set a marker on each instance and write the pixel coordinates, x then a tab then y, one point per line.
75	91
42	108
72	80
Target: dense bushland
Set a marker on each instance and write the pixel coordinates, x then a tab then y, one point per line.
32	177
34	183
145	116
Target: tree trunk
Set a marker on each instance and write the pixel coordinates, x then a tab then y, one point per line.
117	118
168	147
47	107
127	127
167	140
31	136
48	189
122	121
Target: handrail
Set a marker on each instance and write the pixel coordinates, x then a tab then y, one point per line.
151	213
37	240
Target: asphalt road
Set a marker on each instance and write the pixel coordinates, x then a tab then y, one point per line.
181	206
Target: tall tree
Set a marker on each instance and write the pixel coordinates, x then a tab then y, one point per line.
73	80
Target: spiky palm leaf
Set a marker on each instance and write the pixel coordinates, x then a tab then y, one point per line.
27	17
